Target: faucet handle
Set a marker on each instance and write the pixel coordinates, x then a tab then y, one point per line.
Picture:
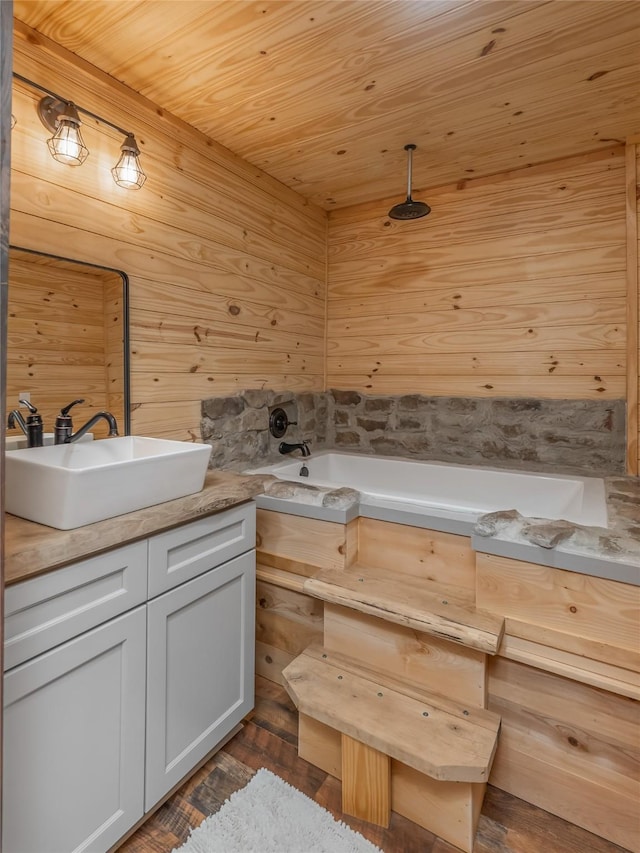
65	411
29	405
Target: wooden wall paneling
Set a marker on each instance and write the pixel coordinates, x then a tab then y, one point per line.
568	748
304	318
438	557
601	311
564	363
444	295
472	300
599	386
177	420
274	220
578	666
286	623
226	266
290	548
576	604
303	545
411	277
557	339
409	656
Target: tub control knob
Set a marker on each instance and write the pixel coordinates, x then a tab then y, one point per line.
279	422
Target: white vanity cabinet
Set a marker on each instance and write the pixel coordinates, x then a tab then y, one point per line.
114	691
74	705
201	642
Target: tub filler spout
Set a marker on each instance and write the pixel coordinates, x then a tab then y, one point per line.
302	446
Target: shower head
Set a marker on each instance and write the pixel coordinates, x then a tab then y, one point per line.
409	209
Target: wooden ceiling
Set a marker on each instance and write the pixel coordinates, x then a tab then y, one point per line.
323	95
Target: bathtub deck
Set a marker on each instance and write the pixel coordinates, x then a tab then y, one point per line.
564	679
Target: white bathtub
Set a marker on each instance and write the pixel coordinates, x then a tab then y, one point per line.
456	490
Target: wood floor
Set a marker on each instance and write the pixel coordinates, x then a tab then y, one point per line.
507	825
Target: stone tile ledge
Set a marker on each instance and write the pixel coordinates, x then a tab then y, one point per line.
342	498
559	535
620	542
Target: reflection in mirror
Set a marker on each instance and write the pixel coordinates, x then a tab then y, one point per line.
67	338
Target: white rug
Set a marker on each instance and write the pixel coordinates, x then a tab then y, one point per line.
270	816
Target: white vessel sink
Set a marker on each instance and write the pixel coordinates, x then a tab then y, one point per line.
69	485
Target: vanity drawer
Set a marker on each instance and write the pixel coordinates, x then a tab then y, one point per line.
186	552
43	612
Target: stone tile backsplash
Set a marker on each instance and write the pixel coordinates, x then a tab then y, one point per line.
579	436
237	427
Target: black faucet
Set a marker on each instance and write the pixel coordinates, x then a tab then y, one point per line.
302	446
63	433
33	427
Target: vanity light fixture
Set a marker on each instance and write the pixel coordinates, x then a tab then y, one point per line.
62	118
127	172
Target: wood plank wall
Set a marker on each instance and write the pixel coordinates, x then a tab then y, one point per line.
61	343
226	265
512	286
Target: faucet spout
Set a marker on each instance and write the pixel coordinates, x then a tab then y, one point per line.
302	446
32	427
106	416
15	419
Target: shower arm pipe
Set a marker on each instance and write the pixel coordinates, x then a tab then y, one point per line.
67	101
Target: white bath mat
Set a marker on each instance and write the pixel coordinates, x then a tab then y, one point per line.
270	816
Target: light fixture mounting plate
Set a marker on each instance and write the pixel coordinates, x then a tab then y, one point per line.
49	108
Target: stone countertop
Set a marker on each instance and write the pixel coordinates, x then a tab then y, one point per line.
30	549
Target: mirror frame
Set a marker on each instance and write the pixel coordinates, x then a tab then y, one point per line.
125	318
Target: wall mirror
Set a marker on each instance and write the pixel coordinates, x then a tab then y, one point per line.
67	338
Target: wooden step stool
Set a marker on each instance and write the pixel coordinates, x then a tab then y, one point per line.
398	745
451	747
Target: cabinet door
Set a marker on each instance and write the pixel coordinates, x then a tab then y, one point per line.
200	670
74	742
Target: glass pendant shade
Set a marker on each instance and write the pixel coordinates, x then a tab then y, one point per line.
67	145
127	172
